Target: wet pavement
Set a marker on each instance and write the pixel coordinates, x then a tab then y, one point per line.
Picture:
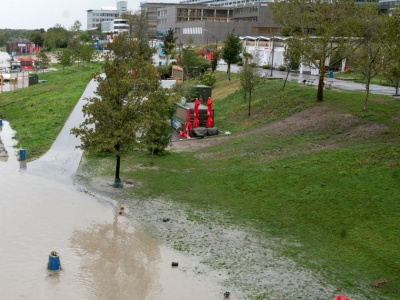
103	254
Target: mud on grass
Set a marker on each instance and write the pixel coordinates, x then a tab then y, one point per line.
248	266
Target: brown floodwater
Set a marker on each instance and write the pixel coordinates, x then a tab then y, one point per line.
103	255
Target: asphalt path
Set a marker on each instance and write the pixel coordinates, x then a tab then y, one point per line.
336	83
62	160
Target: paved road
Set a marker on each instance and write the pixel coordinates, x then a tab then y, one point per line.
336	83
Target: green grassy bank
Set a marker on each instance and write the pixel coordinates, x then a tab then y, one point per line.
39	112
332	187
327	182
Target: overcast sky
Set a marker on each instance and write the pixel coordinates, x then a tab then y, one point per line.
36	14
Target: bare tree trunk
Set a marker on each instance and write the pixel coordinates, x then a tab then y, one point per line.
287	75
365	105
117	180
249	103
320	92
228	71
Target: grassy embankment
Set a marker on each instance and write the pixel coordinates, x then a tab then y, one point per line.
333	193
342	203
39	112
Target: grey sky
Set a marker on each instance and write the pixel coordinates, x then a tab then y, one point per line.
36	14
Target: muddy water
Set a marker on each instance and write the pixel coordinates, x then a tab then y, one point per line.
103	256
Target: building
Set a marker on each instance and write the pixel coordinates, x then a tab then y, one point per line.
223	2
96	16
150	8
115	26
204	24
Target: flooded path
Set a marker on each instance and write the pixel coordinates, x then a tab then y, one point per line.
102	254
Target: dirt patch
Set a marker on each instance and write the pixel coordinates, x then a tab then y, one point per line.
317	120
247	266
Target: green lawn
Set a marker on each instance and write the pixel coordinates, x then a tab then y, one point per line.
329	188
39	112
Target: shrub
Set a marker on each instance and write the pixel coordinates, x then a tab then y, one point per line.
239	63
207	79
253	65
266	66
282	68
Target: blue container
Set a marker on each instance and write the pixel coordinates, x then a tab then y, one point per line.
1	122
54	262
22	154
330	74
159	63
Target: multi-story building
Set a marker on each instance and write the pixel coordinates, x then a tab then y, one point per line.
204	24
96	16
223	2
115	26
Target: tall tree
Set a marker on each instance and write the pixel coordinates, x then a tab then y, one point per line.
249	78
117	111
169	43
65	58
367	58
230	53
157	132
391	60
43	59
320	31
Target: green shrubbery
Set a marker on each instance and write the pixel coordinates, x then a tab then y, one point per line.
207	79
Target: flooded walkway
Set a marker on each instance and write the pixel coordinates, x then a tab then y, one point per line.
103	255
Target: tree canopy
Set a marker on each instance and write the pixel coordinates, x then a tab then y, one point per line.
232	49
323	32
119	111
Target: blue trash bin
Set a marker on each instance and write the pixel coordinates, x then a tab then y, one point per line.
330	74
22	154
54	261
1	122
159	63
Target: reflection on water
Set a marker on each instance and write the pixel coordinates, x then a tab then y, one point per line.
103	256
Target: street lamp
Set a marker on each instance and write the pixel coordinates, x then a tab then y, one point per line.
272	55
207	34
180	51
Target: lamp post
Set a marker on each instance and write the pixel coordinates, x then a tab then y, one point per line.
272	55
180	51
207	35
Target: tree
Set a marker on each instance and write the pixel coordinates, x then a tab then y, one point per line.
65	58
249	78
116	114
85	52
320	31
367	58
391	59
192	63
169	43
43	59
231	51
56	37
157	132
141	33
